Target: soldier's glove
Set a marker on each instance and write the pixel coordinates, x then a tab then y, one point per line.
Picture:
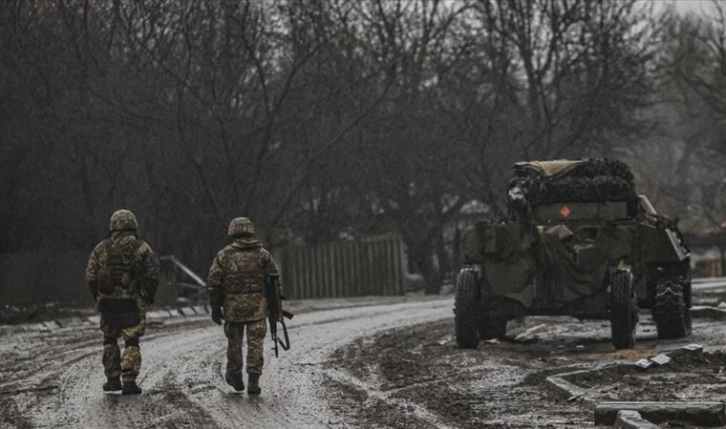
217	314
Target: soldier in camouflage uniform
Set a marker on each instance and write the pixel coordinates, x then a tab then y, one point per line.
236	283
123	275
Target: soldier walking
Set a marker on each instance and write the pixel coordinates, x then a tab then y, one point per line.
236	283
123	275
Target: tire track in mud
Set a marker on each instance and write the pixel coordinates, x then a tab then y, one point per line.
423	380
182	374
79	401
293	392
372	394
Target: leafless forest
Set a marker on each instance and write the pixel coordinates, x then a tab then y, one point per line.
323	120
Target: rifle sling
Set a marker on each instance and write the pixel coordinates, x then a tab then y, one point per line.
286	343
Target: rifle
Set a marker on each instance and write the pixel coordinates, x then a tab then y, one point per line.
276	314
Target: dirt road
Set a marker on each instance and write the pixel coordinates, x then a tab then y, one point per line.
393	365
54	379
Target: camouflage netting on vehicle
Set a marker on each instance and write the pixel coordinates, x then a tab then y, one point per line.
592	180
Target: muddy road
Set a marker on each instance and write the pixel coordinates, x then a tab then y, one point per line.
416	377
392	365
422	380
54	379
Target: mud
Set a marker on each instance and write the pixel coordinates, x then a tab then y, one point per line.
367	363
692	381
53	379
501	384
497	385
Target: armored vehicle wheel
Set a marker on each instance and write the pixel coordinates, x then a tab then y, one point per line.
623	310
672	318
489	327
492	328
466	309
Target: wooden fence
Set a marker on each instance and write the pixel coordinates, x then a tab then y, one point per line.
372	266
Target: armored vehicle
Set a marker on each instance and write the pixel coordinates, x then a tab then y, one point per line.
579	241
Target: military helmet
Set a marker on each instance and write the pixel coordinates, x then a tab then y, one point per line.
240	226
123	220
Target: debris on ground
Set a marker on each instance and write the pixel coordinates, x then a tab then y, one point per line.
512	384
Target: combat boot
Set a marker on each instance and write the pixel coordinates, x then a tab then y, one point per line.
131	388
253	387
112	385
235	381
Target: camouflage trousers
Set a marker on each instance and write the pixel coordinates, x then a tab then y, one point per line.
235	332
114	364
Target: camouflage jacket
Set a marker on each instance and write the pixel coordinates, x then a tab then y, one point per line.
135	272
237	280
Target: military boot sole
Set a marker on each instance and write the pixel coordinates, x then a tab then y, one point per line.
237	384
253	388
112	386
132	389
